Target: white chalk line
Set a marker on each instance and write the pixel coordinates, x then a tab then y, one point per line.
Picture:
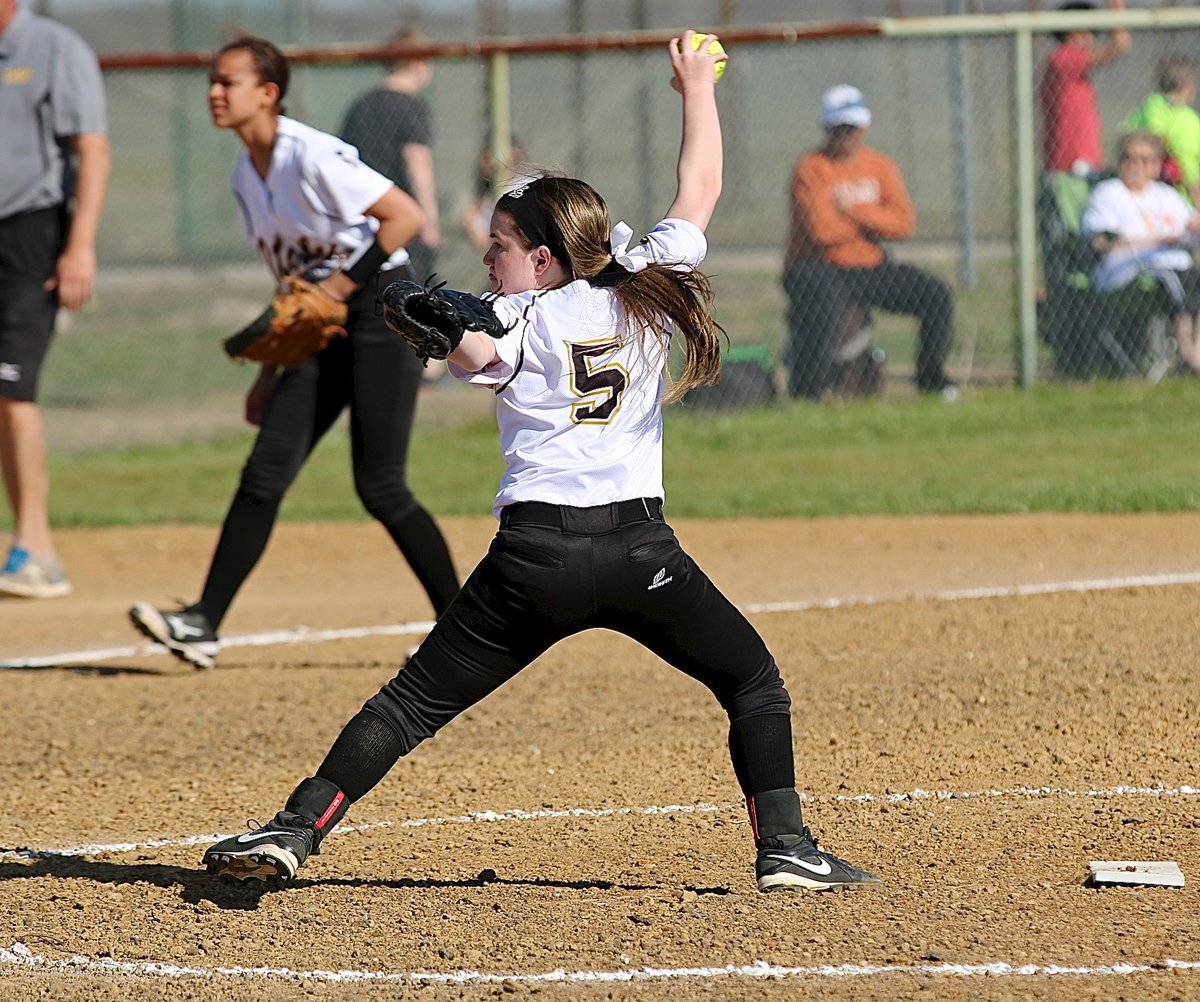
21	956
999	591
295	635
303	635
517	814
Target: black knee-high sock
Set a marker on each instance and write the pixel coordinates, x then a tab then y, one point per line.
361	755
243	538
761	750
423	546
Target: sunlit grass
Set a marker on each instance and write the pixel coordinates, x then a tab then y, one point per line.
1105	447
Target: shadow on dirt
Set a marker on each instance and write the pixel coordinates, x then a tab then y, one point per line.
195	886
484	879
100	671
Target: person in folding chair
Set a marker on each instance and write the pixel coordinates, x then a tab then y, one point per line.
1142	226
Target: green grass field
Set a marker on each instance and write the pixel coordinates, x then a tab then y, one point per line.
1103	447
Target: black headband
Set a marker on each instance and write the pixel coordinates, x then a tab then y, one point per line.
533	221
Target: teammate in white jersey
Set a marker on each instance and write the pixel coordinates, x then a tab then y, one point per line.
312	209
582	542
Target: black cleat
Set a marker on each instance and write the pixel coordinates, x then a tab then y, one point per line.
793	862
275	850
185	633
278	848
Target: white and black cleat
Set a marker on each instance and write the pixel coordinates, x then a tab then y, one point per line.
794	863
274	851
185	633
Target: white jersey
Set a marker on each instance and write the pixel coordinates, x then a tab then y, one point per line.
1157	212
578	399
307	218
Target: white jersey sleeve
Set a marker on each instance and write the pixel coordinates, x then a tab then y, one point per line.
344	185
512	312
676	243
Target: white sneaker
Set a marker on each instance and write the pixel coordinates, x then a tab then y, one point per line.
24	576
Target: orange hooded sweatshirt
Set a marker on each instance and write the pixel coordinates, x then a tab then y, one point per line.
841	209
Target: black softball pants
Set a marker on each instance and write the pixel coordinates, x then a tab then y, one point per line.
819	294
376	375
551	572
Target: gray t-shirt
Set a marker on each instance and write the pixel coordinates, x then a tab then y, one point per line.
50	90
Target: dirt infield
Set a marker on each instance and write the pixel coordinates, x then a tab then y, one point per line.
982	705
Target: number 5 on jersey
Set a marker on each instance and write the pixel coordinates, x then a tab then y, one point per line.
601	385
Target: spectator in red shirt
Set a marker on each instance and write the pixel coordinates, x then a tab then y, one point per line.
1070	113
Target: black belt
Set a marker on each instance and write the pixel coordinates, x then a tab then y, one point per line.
585	521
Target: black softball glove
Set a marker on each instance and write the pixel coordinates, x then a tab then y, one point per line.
432	318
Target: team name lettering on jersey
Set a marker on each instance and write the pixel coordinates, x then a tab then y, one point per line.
288	258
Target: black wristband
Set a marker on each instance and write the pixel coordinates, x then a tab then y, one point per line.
367	263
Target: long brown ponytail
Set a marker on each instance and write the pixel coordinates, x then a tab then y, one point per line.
570	218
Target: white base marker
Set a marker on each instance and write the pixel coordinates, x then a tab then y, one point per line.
1165	874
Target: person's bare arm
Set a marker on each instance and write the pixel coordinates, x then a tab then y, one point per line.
75	271
698	174
418	159
1118	41
475	351
399	220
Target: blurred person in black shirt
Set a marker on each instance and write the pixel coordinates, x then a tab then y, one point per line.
392	128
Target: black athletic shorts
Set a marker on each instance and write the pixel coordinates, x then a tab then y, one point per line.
30	243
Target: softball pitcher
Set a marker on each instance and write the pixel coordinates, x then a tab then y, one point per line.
312	209
574	354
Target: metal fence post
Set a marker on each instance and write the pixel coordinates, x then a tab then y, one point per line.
500	115
182	126
1026	223
964	190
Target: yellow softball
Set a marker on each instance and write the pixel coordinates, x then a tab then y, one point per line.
712	50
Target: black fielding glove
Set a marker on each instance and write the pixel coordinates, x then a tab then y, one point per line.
433	319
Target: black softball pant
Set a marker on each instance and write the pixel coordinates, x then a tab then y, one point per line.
540	583
820	293
376	375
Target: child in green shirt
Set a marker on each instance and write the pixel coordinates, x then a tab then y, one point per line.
1168	113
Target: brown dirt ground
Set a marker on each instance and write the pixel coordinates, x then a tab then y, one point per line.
1075	691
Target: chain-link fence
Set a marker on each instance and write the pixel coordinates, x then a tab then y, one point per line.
144	360
1119	293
